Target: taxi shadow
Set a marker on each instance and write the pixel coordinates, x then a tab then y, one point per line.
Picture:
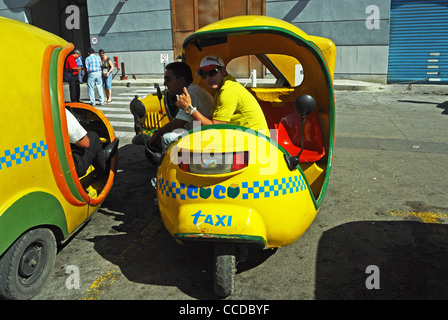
139	243
411	259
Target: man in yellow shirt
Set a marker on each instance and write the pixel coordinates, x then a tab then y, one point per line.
233	104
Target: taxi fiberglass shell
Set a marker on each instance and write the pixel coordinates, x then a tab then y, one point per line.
42	200
236	187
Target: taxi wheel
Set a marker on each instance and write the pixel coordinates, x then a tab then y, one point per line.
225	268
27	264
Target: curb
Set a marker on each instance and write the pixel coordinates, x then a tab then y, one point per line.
338	84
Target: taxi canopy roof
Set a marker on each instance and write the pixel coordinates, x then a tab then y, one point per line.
278	44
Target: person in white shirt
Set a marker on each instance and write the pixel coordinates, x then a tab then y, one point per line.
87	148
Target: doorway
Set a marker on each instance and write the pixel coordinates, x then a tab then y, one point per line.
189	16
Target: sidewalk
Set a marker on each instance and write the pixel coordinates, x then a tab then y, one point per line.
339	85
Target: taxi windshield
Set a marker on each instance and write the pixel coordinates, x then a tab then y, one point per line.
278	70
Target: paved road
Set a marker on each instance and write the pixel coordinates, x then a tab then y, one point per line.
384	214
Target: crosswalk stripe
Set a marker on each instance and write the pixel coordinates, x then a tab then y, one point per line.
118	113
124	134
122	124
132	94
120	98
111	108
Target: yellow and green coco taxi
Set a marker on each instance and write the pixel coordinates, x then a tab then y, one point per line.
234	186
42	200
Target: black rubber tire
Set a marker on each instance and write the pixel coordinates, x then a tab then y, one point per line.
27	264
225	268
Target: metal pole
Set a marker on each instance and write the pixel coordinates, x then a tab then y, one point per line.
123	73
254	78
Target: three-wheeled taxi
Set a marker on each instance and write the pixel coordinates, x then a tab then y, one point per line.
237	187
42	200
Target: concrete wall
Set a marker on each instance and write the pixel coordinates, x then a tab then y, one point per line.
136	31
362	52
50	15
16	9
139	31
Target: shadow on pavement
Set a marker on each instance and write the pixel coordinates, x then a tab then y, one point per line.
412	258
141	246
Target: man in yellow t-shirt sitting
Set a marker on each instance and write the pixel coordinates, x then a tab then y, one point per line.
233	104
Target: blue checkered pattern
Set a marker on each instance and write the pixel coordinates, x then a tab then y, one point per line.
273	188
93	63
20	155
252	190
170	189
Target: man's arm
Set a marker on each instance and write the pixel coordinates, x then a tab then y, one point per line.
84	142
76	133
112	67
184	101
72	64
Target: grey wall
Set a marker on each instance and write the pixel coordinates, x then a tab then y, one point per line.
362	52
50	15
15	9
136	31
139	31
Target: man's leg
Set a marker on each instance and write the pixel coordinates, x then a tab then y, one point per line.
96	149
72	88
93	155
91	88
168	138
99	87
78	89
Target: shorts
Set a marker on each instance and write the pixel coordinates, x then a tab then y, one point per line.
107	82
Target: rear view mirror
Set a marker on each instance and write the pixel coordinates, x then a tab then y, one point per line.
304	105
137	108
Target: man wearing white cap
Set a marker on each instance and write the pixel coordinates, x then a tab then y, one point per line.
232	104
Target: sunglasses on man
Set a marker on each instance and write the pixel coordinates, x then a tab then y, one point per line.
211	73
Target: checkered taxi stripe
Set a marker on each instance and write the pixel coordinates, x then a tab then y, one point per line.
273	188
250	190
172	189
19	155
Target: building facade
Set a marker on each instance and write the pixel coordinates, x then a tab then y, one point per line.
377	40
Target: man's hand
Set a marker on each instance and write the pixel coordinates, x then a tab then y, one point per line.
184	100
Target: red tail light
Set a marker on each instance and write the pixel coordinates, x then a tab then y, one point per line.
240	160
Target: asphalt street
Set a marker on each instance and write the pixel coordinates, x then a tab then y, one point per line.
384	214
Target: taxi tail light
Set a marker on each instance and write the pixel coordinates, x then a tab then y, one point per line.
240	160
214	163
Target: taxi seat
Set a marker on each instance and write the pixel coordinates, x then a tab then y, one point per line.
288	125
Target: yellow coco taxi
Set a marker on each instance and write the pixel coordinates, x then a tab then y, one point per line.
42	200
234	186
